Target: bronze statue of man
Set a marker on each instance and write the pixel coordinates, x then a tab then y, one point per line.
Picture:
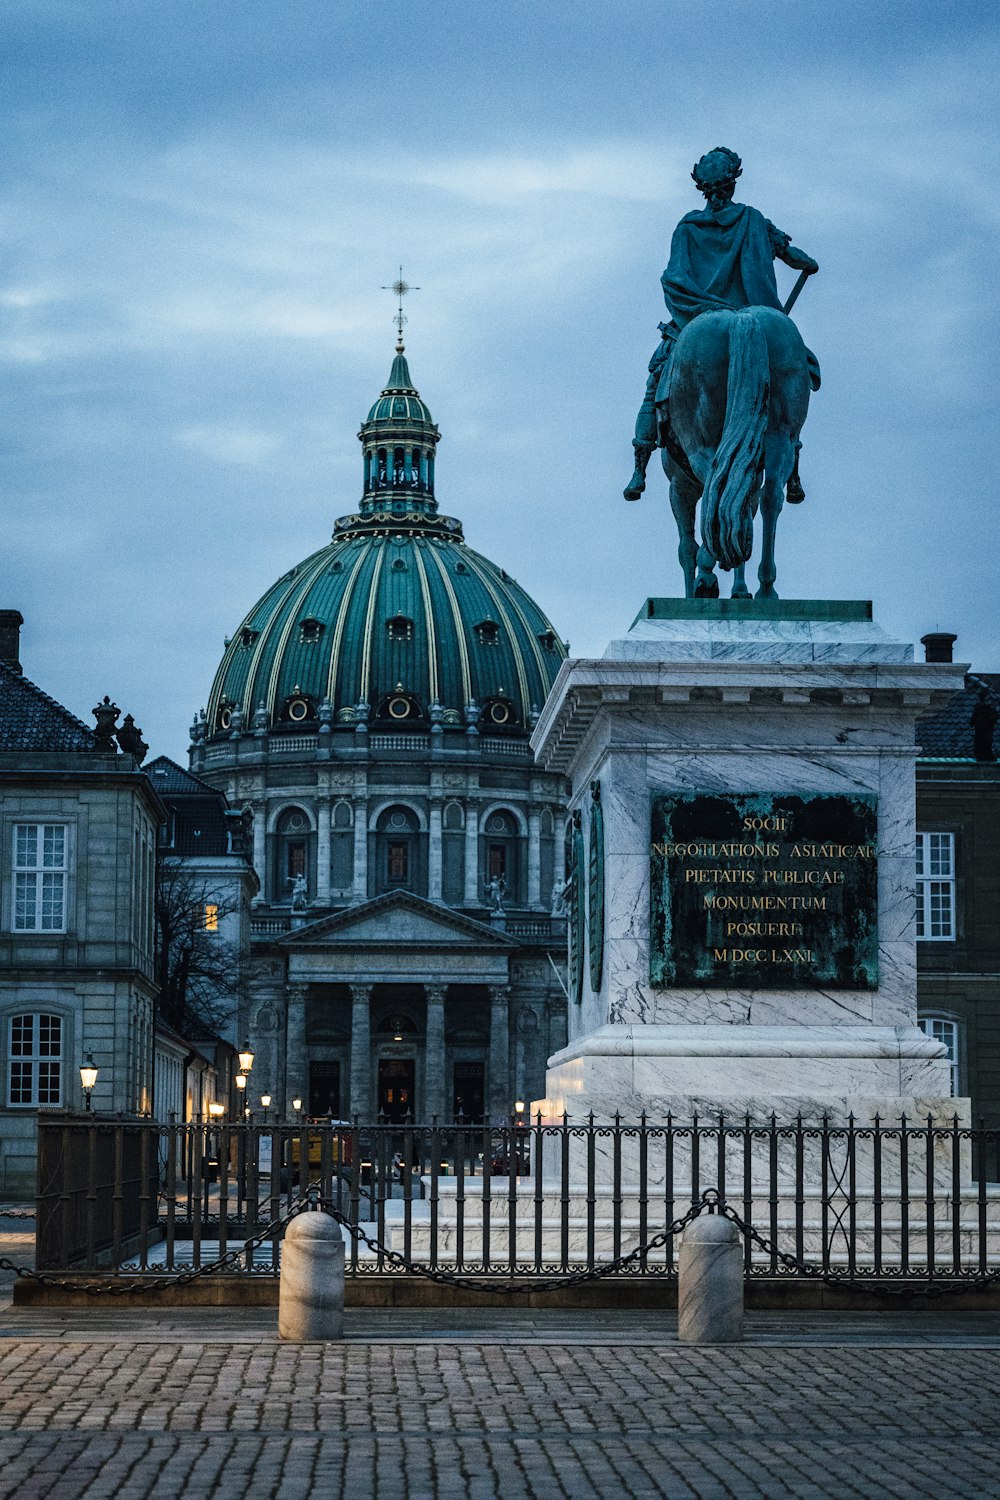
721	258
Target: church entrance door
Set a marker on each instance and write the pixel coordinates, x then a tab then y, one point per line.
395	1088
324	1089
470	1088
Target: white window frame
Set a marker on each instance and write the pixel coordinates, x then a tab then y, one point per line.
937	915
948	1030
38	1060
40	887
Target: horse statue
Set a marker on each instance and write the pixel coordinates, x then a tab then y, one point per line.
737	397
728	387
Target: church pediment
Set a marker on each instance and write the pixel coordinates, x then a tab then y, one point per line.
400	919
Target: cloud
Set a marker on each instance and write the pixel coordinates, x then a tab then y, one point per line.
230	445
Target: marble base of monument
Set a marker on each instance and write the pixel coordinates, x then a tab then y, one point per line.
748	943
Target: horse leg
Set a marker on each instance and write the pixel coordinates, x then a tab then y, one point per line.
683	502
740	590
779	459
794	493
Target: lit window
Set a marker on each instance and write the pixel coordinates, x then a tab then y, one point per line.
936	887
34	1076
943	1029
40	851
211	916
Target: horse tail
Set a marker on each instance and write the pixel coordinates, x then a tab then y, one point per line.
734	477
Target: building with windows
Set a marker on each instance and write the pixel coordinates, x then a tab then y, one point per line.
78	822
205	884
372	712
958	883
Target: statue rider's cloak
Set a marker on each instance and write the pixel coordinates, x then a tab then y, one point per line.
720	260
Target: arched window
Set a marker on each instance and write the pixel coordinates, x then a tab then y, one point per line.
292	861
398	851
501	852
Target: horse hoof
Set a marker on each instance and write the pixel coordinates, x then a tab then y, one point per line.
743	593
794	493
636	485
707	589
768	592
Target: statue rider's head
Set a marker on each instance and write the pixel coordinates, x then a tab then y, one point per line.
716	174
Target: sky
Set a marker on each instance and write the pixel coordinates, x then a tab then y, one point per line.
202	203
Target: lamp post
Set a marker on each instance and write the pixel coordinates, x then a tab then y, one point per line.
265	1104
246	1057
88	1077
297	1107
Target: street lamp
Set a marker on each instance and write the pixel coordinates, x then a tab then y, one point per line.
246	1060
265	1104
241	1083
88	1077
217	1111
297	1107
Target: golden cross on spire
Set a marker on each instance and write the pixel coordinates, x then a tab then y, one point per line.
400	288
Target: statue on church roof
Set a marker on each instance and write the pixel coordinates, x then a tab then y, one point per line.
728	386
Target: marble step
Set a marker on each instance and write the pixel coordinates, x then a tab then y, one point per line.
605	1240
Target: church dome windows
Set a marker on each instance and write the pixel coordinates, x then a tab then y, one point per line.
298	709
248	636
499	713
548	640
224	718
310	630
400	627
487	632
399	707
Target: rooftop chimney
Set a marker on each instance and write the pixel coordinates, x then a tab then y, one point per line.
938	645
11	621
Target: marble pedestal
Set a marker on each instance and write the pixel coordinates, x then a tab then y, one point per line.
735	697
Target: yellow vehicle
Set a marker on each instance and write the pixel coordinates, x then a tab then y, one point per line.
329	1143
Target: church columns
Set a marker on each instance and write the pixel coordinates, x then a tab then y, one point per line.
434	851
534	856
434	1073
499	1087
473	896
360	891
323	853
296	1069
361	1050
260	848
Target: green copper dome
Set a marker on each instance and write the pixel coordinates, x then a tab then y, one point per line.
397	624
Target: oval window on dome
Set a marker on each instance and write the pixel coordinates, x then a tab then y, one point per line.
298	710
399	708
500	713
225	718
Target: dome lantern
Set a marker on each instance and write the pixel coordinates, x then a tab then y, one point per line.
399	439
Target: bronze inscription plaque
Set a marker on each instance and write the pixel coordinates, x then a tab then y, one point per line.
763	891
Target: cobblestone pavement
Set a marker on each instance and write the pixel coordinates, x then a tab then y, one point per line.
574	1405
493	1405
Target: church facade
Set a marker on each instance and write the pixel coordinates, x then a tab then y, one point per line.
373	712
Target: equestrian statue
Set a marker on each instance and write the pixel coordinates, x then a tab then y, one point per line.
728	387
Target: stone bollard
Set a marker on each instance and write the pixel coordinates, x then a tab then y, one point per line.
311	1285
710	1282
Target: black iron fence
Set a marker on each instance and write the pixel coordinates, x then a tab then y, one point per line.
887	1202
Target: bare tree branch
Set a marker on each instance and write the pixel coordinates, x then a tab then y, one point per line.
199	971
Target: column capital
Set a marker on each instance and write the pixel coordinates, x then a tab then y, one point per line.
435	993
499	994
361	994
297	991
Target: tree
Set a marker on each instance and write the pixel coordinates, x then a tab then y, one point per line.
200	973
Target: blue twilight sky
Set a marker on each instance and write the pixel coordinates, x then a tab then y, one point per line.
203	198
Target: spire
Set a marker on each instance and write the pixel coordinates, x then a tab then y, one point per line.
399	439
